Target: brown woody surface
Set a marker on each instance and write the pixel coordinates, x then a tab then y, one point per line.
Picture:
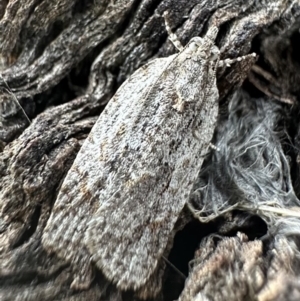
63	60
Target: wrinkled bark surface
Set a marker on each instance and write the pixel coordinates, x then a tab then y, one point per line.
60	63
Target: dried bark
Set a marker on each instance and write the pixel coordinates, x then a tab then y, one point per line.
63	60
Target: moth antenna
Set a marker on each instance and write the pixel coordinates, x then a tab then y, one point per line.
172	36
229	62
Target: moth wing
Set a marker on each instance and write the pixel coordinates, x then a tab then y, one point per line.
151	183
80	194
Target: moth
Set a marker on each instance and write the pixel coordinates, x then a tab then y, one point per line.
133	175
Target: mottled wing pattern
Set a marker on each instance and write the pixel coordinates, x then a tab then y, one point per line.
81	193
133	175
156	161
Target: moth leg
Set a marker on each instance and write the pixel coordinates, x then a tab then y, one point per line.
228	62
172	36
213	147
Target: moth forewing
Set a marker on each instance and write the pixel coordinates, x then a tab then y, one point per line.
128	184
128	234
81	192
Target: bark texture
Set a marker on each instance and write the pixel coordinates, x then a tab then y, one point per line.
60	63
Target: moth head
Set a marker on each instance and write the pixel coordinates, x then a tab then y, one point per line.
195	43
202	48
196	47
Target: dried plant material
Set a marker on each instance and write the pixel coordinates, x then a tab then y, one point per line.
13	118
278	74
237	269
229	270
259	84
91	26
250	171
